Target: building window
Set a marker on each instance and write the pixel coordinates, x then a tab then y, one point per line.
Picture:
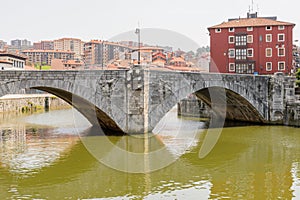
245	68
249	38
218	30
250	28
240	54
231	29
250	52
241	40
231	53
268	52
269	38
280	27
268	66
231	67
231	39
281	52
281	66
280	37
268	28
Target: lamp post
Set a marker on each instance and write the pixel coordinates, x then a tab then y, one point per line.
138	32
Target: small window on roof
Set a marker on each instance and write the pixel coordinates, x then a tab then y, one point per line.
218	30
250	28
268	28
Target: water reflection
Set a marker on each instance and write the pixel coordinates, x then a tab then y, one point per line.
246	163
24	151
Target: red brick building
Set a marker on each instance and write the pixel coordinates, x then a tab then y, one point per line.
251	45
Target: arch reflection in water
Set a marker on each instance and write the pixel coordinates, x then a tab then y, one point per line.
247	163
140	153
26	148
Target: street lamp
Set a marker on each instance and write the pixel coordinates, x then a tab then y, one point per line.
138	32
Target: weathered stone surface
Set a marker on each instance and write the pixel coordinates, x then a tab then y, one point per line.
135	100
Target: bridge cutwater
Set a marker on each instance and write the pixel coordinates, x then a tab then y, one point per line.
135	100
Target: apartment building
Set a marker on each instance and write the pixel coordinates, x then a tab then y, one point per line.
100	53
70	44
252	45
2	45
18	45
43	45
44	57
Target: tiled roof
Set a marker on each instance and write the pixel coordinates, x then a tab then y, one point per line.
46	51
18	56
6	61
177	59
247	22
73	62
172	67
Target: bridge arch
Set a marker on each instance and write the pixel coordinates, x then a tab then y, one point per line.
237	108
224	103
74	94
239	97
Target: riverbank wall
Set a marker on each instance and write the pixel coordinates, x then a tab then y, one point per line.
22	103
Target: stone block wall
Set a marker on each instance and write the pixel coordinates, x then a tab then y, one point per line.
29	103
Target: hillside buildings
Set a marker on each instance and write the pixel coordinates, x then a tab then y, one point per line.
252	45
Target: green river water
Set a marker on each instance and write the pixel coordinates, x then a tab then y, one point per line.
43	157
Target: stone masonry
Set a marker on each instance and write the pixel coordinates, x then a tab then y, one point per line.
135	100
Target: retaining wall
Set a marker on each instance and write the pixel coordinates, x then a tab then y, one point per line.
31	102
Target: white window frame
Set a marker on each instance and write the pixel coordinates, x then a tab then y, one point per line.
250	28
283	51
267	53
270	37
268	29
231	29
283	37
229	55
268	70
250	56
283	65
233	69
229	39
218	30
281	27
249	36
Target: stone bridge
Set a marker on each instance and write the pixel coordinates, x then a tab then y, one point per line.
135	100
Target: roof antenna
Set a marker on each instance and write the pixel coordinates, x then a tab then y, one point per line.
252	10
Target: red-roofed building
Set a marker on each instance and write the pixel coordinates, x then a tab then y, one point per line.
251	45
10	61
60	64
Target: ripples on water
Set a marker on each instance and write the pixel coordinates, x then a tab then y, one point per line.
42	157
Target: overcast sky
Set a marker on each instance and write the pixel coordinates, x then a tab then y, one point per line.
104	19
